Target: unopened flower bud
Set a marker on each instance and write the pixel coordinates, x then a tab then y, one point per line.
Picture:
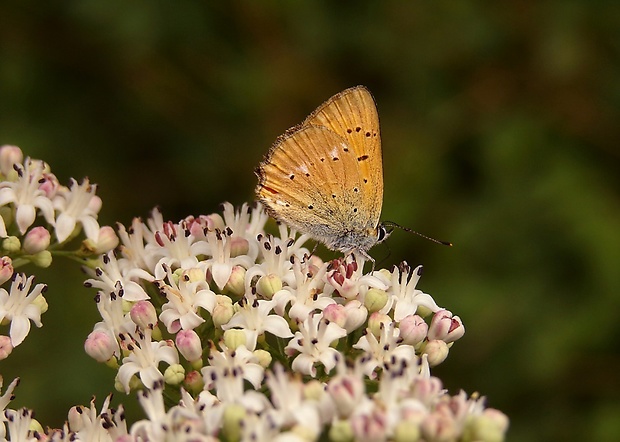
268	285
234	338
437	351
490	426
195	274
215	221
314	390
12	244
9	156
346	392
95	203
231	421
236	282
223	310
446	327
42	259
143	314
371	426
407	431
335	313
36	240
189	345
413	329
174	374
377	321
375	299
5	347
440	427
194	381
263	356
6	269
356	315
100	346
239	246
341	431
106	241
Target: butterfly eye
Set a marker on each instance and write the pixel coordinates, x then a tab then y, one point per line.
383	232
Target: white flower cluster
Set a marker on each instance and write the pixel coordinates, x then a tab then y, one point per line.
33	206
248	336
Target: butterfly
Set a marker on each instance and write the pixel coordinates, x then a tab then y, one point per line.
324	177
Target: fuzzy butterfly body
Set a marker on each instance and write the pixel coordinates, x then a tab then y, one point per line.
324	177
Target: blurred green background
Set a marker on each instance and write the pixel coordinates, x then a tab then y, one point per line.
500	126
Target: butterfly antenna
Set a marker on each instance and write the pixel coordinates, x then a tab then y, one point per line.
392	224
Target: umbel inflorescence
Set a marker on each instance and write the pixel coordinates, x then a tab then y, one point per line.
226	332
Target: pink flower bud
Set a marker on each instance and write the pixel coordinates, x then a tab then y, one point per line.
100	346
438	426
437	351
238	246
446	327
143	314
335	313
413	329
36	240
5	347
9	156
369	427
189	345
6	269
346	392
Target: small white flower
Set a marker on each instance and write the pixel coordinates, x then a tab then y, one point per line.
27	195
109	277
144	358
385	350
19	307
77	204
228	368
313	341
185	298
254	319
405	297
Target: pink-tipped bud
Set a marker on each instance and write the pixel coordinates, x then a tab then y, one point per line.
36	240
194	381
238	246
143	314
5	347
413	329
335	313
438	426
189	345
446	327
100	346
6	269
371	426
347	393
9	156
106	241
